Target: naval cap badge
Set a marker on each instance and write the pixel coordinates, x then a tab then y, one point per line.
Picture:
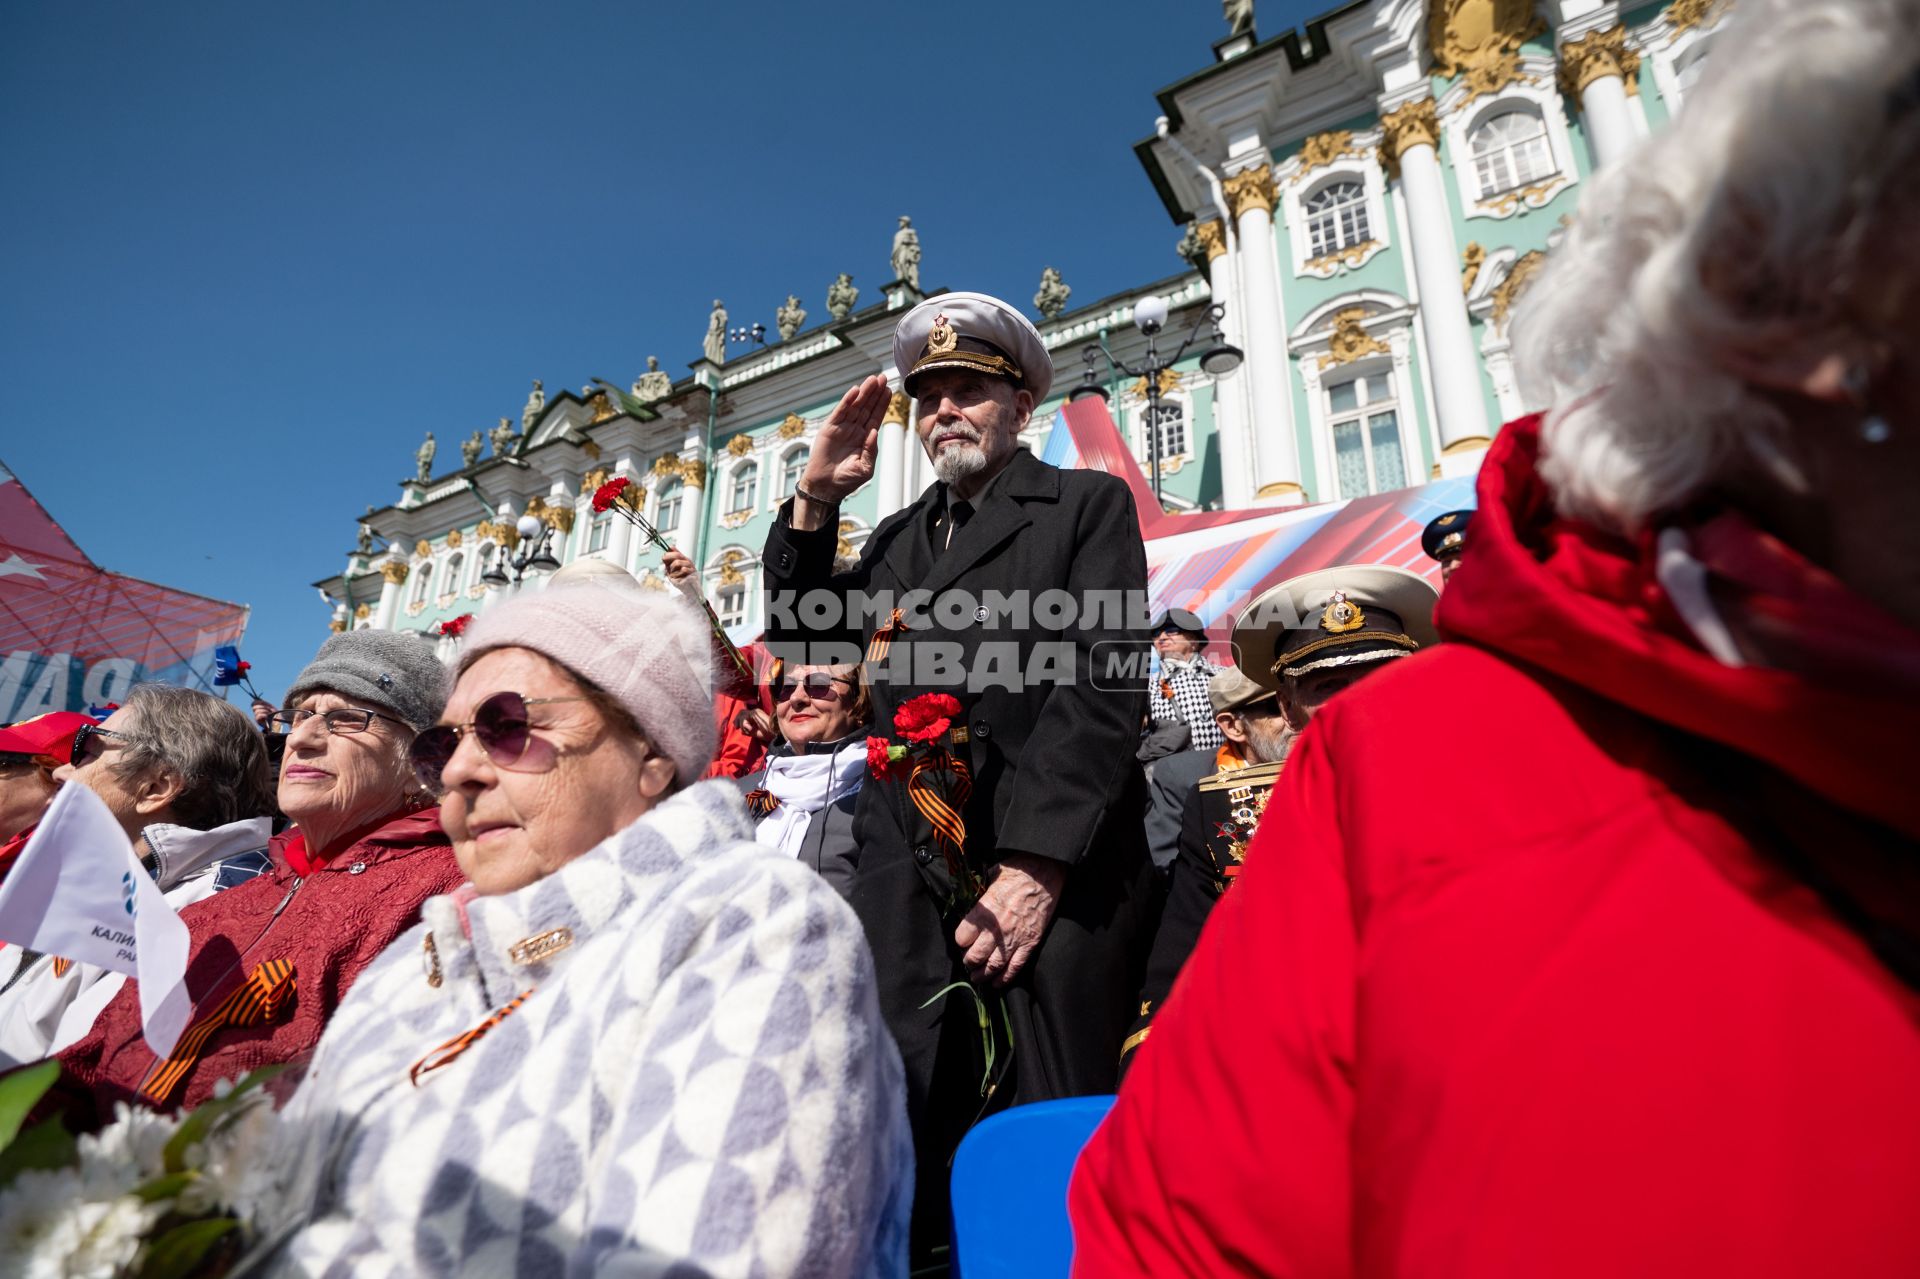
1342	615
942	338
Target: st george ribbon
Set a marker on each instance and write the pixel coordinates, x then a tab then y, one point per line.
78	892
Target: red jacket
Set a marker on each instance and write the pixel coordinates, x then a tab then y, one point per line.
1516	983
329	924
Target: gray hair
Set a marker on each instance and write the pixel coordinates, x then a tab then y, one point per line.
212	747
1756	225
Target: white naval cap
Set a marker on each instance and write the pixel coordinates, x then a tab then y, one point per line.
973	331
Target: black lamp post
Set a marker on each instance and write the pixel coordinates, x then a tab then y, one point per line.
1150	316
534	554
756	334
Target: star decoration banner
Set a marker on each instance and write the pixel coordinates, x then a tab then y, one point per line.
73	634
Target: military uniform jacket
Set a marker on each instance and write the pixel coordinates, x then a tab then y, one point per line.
1216	825
1052	758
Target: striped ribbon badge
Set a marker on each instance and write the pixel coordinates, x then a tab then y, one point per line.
924	787
761	802
883	638
260	998
445	1054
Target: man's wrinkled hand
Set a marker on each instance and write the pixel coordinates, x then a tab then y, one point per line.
1004	928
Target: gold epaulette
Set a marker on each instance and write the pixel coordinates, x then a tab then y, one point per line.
1234	779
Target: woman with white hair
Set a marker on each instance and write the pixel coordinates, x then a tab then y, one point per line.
635	1041
1627	986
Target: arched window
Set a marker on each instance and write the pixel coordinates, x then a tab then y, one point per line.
1510	151
1337	217
450	575
482	561
792	467
730	604
746	481
422	582
1171	422
666	511
598	532
1365	423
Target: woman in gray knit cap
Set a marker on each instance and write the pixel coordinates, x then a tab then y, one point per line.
273	957
636	1041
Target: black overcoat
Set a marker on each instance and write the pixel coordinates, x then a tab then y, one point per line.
1051	752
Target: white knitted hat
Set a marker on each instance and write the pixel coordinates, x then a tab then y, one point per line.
649	650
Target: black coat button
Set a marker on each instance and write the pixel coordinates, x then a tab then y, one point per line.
982	729
922	854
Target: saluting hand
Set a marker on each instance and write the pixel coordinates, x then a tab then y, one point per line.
844	449
1001	932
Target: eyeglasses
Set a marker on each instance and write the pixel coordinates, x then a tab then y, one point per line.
343	720
87	732
499	724
820	686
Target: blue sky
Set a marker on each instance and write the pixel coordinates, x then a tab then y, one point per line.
253	252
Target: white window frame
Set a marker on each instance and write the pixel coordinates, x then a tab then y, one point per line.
1532	148
451	572
671	489
1541	99
734	475
1366	374
1673	52
599	532
1390	322
423	574
781	492
1133	419
749	565
1294	193
482	561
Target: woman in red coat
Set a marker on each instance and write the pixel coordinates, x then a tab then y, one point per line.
1586	943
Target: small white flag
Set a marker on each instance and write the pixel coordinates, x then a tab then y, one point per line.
79	892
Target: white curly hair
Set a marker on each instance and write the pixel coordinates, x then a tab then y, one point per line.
1774	215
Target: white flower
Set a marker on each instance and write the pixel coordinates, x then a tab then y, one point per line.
43	1219
237	1164
113	1238
131	1148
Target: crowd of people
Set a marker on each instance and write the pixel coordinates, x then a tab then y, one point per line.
1564	920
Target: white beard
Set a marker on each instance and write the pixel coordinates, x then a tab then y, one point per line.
956	462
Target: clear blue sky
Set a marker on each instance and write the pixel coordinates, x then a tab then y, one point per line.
253	252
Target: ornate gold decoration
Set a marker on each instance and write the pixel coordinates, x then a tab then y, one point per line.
730	574
1479	41
1169	382
941	338
1470	263
1350	339
653	581
504	533
337	625
1250	189
1172	465
1504	204
531	950
1213	237
740	445
602	407
694	472
362	612
1350	256
1594	55
446	597
556	516
666	466
1341	615
844	546
1280	488
734	519
454	539
591	449
897	406
416	608
423	548
1684	15
1471	444
1510	289
1414	124
1322	149
592	480
792	425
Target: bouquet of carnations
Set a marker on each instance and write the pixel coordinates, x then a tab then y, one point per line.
149	1196
455	627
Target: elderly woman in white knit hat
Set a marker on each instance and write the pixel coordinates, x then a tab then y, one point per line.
636	1041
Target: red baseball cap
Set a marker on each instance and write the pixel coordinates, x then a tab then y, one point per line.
49	736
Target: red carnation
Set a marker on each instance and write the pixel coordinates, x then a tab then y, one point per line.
456	626
926	718
607	494
879	757
243	667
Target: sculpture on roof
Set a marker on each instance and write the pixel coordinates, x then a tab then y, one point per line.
471	448
1051	300
841	296
536	405
653	384
1239	15
715	345
790	318
364	543
906	254
423	459
502	437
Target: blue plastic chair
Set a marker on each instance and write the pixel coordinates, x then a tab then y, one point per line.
1010	1189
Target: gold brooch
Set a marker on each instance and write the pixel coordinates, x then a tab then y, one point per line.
432	954
1342	615
943	338
531	950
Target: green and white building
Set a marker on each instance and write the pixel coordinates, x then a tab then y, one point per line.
1367	197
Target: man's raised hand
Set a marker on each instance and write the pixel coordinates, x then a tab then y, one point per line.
843	451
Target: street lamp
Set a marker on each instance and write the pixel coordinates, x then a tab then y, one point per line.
1150	316
534	554
756	334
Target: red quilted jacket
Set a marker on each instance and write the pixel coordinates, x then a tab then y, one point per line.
329	925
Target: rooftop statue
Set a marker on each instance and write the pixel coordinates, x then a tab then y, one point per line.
906	254
536	405
653	384
841	296
502	436
423	459
715	345
1239	15
790	318
1051	300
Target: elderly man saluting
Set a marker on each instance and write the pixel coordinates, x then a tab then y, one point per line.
945	600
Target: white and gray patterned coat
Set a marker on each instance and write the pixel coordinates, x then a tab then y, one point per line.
700	1083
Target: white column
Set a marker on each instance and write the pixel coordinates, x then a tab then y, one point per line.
394	570
1459	408
1229	392
1595	69
890	465
693	484
1276	456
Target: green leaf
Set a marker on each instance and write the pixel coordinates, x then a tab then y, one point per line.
167	1186
47	1144
196	1126
20	1092
181	1251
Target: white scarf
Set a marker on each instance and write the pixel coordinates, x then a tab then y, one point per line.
805	784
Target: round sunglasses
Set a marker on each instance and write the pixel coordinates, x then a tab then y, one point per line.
820	686
499	724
